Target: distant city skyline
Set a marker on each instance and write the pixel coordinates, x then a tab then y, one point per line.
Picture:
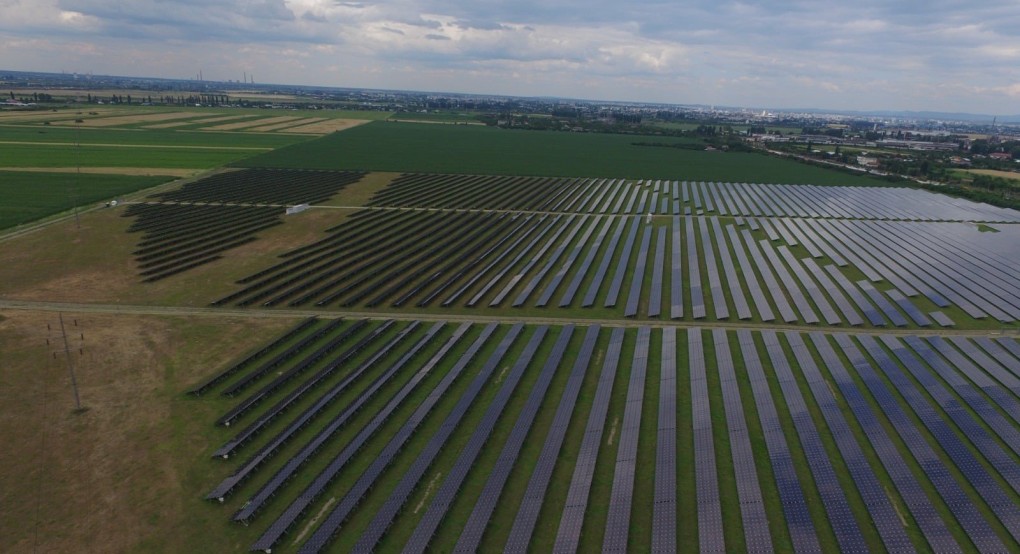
940	55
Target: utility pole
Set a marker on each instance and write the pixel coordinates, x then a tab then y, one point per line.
70	365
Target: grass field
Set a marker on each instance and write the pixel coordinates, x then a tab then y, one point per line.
27	196
472	149
147	137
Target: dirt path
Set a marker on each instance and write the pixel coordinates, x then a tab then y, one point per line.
134	309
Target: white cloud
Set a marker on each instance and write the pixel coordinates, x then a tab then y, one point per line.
792	53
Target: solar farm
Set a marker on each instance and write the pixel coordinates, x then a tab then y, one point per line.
477	363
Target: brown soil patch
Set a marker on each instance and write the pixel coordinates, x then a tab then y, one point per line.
327	126
110	170
255	123
126	475
304	121
137	118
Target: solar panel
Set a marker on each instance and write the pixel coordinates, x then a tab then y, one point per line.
607	258
964	460
249	466
714	282
658	268
582	270
980	532
332	522
631	308
791	496
531	226
664	517
711	537
622	493
534	495
520	255
560	249
694	272
806	312
444	496
984	443
568	264
883	304
771	284
928	520
498	299
883	514
851	315
294	511
819	299
623	264
676	291
732	281
568	535
761	303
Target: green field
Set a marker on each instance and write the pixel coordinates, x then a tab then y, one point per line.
417	147
66	155
26	196
148	137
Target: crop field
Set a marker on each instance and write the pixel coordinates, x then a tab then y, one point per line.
506	342
473	149
28	196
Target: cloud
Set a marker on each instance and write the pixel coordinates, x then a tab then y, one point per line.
797	53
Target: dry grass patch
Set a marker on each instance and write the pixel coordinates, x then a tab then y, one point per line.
255	123
95	264
223	118
327	126
132	119
995	173
127	474
303	121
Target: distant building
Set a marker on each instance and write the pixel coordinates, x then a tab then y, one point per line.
1000	156
867	161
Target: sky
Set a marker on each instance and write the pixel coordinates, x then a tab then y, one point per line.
920	55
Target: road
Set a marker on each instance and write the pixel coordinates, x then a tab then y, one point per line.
408	315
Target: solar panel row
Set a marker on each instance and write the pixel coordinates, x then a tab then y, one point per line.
340	512
444	495
883	513
534	495
956	499
664	515
621	496
568	535
935	530
757	536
